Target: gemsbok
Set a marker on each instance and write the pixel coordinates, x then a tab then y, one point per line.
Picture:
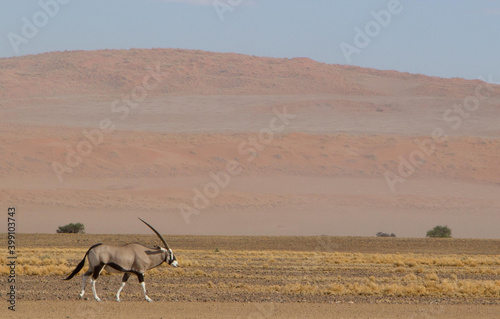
129	259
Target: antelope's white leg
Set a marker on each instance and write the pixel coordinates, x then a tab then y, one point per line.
92	281
84	283
143	284
119	290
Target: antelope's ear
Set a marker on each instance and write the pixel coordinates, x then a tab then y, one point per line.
157	247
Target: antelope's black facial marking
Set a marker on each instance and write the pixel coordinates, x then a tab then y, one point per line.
172	260
170	257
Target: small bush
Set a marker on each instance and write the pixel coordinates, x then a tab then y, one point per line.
439	232
77	228
381	234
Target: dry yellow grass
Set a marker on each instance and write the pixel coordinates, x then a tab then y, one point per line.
303	273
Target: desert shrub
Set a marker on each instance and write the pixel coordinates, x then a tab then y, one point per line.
381	234
72	228
439	232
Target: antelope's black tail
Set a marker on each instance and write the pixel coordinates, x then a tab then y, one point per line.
81	264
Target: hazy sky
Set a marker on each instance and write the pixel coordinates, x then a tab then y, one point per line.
444	38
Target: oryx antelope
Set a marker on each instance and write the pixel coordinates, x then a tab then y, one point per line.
129	259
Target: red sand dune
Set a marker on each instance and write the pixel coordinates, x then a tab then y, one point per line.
324	173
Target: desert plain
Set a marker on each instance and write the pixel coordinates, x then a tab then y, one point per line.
269	277
229	145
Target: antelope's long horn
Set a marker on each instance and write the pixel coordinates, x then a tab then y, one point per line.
157	233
